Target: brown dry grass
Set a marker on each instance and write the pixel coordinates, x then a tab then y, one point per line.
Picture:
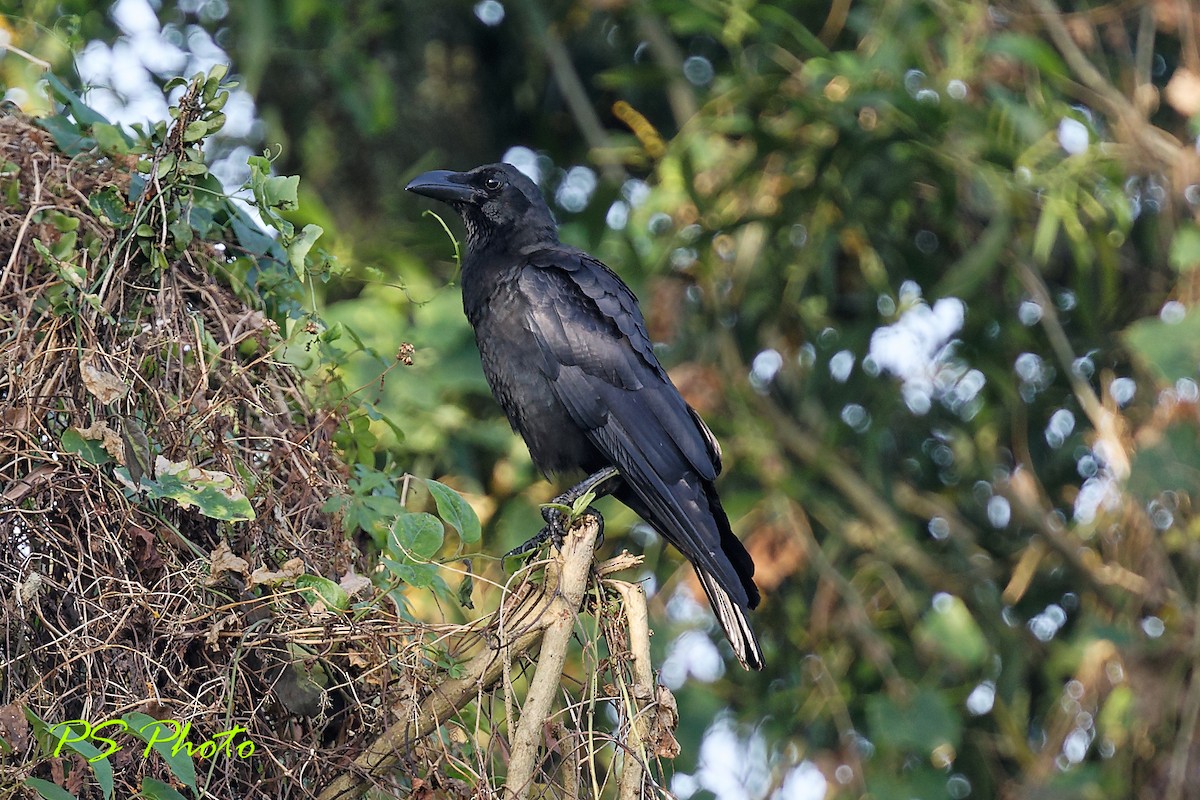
108	605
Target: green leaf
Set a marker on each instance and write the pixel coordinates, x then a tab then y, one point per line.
1185	248
581	504
1170	464
165	166
331	594
111	139
157	790
419	576
214	494
281	191
1046	233
193	168
466	588
919	723
299	247
181	233
110	206
417	536
455	511
949	630
48	790
100	767
181	766
1170	349
1029	49
83	113
195	130
65	245
67	135
90	450
65	223
72	274
249	235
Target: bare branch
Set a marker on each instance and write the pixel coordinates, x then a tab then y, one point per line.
568	573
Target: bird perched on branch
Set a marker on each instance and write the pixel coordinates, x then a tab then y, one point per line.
566	353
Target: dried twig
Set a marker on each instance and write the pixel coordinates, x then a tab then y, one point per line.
568	574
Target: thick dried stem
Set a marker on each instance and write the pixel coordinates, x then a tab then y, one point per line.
569	572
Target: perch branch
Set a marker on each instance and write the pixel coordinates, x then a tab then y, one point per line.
569	574
539	608
634	771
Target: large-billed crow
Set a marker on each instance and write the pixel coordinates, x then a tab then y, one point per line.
566	353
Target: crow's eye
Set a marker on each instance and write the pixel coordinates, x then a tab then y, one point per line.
491	184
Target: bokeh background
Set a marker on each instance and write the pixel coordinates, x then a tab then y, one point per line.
927	267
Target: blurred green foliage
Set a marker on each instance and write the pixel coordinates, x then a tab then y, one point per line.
925	267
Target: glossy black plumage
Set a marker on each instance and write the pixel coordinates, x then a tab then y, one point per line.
566	353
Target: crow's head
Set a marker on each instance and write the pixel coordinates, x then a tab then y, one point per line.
497	203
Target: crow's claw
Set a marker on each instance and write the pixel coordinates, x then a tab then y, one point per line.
532	543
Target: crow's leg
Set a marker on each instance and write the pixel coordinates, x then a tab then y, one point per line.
603	482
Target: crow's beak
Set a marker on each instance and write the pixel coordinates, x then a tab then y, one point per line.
444	185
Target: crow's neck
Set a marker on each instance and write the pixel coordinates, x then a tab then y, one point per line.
498	242
493	261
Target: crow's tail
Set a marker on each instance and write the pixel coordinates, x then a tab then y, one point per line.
733	621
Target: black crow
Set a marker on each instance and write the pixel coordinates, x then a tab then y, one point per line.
566	353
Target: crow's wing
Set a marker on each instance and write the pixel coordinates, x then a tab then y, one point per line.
598	357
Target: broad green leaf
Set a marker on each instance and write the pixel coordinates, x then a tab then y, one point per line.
67	134
1185	248
48	790
418	576
168	163
195	131
1171	349
101	768
1172	463
949	630
214	494
455	511
249	235
193	168
417	535
181	766
110	207
581	504
73	274
1029	49
920	723
280	191
330	593
81	111
110	138
90	450
157	790
299	247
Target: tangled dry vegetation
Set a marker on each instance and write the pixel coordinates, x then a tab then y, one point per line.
164	480
110	606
